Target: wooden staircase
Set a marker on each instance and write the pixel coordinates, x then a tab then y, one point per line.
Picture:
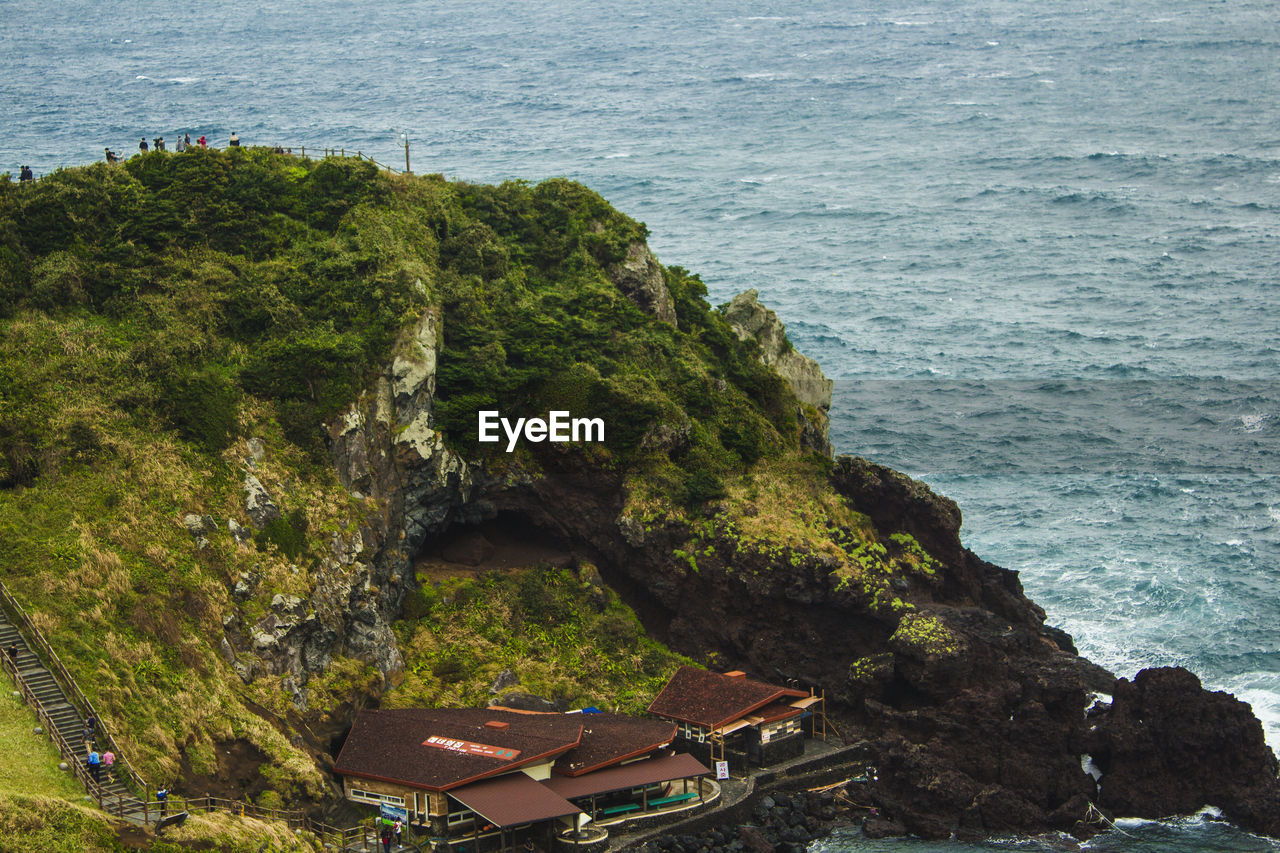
61	708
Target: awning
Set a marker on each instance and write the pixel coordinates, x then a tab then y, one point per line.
635	775
807	702
730	728
513	800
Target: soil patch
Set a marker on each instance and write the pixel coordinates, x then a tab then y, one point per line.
237	777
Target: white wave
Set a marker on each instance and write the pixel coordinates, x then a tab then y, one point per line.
911	23
766	18
185	79
993	43
1253	423
616	155
142	77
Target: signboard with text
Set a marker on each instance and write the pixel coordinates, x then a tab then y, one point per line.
468	748
393	813
722	770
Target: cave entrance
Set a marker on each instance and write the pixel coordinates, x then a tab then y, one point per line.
507	542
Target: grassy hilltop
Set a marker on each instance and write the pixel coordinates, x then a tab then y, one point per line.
155	315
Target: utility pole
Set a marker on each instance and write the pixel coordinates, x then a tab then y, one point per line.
404	134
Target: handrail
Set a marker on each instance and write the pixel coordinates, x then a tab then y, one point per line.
22	620
116	803
301	151
65	749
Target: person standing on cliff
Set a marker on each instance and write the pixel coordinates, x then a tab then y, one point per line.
235	140
142	146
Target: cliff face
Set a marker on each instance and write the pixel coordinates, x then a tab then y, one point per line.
974	710
230	578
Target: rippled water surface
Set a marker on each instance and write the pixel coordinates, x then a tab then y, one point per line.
1036	242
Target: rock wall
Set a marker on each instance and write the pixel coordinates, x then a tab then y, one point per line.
753	321
973	709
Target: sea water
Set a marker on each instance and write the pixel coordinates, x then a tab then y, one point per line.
1035	243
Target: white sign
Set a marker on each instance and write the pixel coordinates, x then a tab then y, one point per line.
722	770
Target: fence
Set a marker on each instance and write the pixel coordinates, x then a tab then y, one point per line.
49	658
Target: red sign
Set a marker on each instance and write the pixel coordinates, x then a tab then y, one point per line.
468	748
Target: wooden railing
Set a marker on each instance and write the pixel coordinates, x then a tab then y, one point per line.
113	803
42	649
142	805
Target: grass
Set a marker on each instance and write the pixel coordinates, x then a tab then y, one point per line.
30	765
560	634
155	316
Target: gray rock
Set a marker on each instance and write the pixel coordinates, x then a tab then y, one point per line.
505	679
632	531
257	449
753	321
241	533
258	502
282	603
639	277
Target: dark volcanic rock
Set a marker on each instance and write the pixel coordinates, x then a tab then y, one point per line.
1167	746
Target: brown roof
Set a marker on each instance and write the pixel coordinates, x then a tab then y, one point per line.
662	769
712	699
610	738
512	800
390	745
776	711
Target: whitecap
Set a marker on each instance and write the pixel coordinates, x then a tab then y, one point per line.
184	79
1252	423
911	23
142	77
992	43
616	155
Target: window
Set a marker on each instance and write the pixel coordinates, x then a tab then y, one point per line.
375	798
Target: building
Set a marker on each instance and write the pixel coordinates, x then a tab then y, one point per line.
730	717
490	779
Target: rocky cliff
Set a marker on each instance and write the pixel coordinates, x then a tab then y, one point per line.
242	490
980	717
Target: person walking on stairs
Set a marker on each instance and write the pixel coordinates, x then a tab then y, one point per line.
95	765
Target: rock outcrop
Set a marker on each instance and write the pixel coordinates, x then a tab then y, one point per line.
753	321
1167	746
639	277
387	454
973	709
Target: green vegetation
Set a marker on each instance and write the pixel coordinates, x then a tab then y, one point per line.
30	763
560	633
924	635
155	315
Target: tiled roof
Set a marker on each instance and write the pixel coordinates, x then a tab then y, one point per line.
390	744
663	768
712	699
610	738
513	800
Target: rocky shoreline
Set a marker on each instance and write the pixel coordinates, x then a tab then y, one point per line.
980	717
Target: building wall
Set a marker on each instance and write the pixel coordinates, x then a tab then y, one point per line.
373	792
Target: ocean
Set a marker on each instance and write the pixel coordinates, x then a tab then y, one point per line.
1036	244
